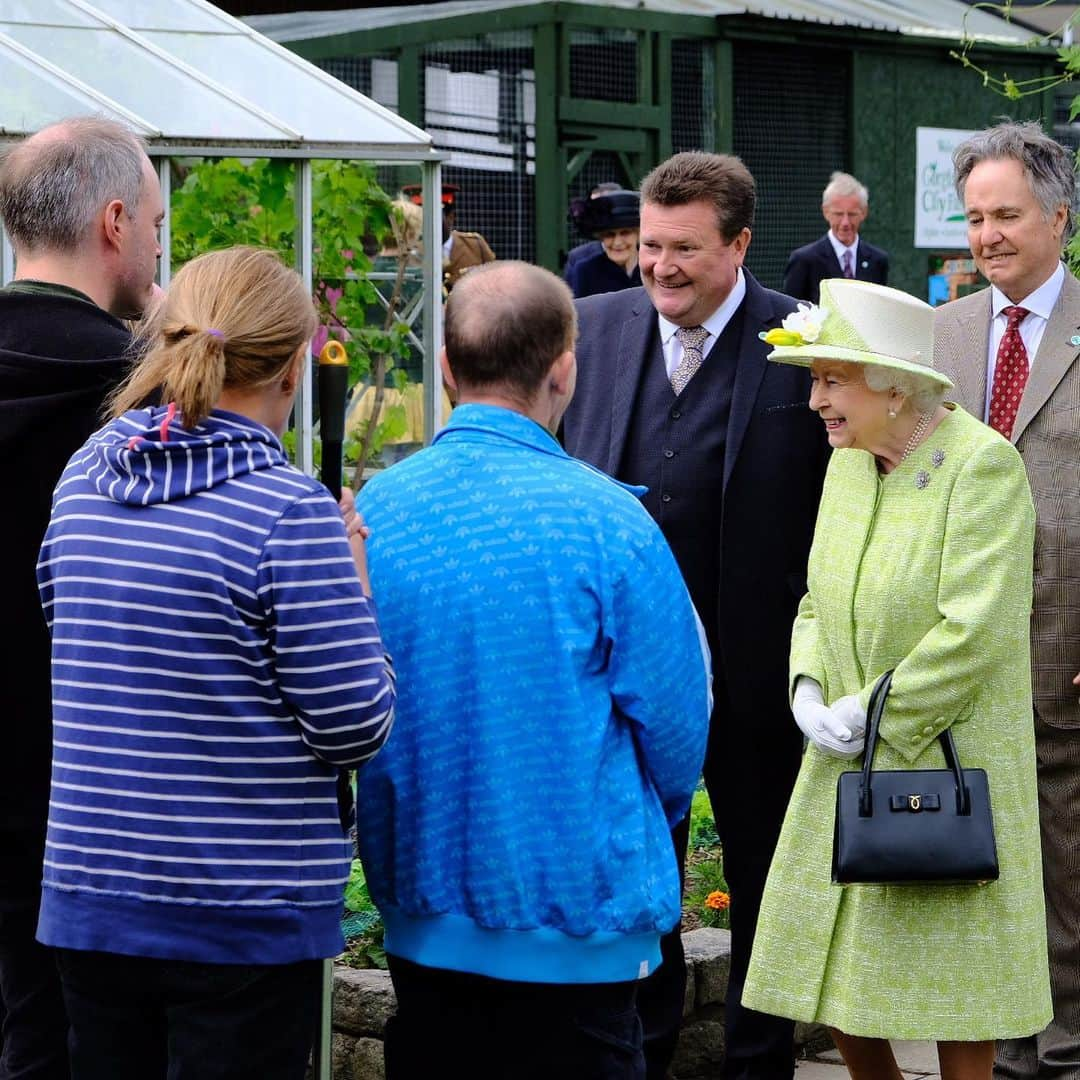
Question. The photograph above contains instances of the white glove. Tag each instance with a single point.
(851, 714)
(827, 731)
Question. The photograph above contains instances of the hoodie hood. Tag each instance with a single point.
(146, 456)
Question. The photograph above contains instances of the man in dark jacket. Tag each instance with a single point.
(81, 204)
(841, 252)
(674, 393)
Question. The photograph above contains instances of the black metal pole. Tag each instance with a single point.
(333, 386)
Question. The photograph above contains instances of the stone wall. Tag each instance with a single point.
(363, 999)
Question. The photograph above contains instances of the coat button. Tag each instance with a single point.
(665, 498)
(675, 414)
(928, 730)
(915, 738)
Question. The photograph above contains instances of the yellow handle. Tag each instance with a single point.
(333, 352)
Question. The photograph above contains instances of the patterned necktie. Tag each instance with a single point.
(1010, 374)
(691, 338)
(849, 268)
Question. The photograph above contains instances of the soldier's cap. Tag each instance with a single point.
(415, 193)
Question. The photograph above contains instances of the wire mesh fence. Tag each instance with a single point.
(693, 95)
(803, 109)
(604, 64)
(479, 103)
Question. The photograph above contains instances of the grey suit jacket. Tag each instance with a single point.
(1047, 434)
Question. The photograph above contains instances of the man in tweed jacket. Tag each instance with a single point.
(1017, 186)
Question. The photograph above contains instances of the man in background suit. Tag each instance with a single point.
(674, 393)
(1012, 352)
(841, 252)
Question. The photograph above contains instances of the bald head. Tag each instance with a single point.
(506, 324)
(54, 184)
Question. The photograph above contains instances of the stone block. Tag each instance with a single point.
(708, 953)
(812, 1038)
(367, 1060)
(341, 1053)
(700, 1052)
(363, 1000)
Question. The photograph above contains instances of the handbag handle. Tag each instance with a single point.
(874, 713)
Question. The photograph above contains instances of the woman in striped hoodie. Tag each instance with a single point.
(216, 662)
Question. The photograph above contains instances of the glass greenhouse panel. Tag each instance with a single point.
(47, 13)
(32, 96)
(143, 15)
(140, 80)
(324, 112)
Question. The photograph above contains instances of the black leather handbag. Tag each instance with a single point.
(912, 826)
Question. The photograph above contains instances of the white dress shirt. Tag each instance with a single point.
(1040, 303)
(715, 324)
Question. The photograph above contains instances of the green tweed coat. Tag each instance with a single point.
(926, 570)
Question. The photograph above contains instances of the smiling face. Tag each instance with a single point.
(855, 416)
(845, 213)
(687, 267)
(1015, 247)
(620, 246)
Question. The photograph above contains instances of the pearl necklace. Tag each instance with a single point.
(916, 435)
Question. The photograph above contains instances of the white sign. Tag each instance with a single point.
(939, 213)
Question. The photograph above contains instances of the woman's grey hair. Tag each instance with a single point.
(1049, 167)
(841, 185)
(52, 184)
(924, 394)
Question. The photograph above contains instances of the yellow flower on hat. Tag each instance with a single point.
(801, 327)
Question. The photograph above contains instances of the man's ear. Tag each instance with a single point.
(447, 374)
(114, 221)
(561, 376)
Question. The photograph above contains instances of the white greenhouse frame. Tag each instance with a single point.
(192, 80)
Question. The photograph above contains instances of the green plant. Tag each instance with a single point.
(707, 896)
(1013, 90)
(362, 925)
(227, 201)
(702, 825)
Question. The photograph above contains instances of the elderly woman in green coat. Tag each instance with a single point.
(922, 563)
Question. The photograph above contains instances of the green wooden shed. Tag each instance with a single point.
(536, 102)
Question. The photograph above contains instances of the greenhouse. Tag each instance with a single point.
(196, 83)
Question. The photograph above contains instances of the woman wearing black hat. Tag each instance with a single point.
(613, 219)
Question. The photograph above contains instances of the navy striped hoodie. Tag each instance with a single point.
(215, 664)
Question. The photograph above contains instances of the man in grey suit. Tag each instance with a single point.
(1012, 352)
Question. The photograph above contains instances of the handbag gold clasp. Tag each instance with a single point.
(914, 803)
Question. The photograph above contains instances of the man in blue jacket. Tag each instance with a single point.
(551, 723)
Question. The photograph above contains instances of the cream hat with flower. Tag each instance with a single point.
(858, 322)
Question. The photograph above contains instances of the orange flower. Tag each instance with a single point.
(718, 901)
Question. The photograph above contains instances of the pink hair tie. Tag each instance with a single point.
(216, 333)
(170, 415)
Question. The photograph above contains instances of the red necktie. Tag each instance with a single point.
(1010, 374)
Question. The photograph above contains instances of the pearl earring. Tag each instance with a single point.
(892, 414)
